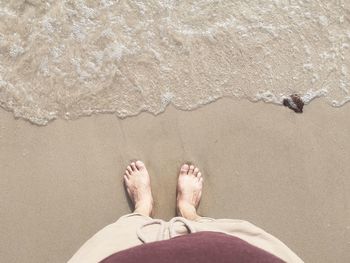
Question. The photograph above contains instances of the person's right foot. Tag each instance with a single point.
(189, 191)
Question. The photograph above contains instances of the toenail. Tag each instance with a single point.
(139, 164)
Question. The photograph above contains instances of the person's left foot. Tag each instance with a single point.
(138, 186)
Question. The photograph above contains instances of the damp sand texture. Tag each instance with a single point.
(285, 172)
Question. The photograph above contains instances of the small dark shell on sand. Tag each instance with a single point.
(295, 103)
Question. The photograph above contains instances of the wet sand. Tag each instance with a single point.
(285, 172)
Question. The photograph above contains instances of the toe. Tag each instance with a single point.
(126, 178)
(140, 165)
(184, 169)
(199, 175)
(191, 169)
(133, 166)
(129, 169)
(127, 173)
(195, 172)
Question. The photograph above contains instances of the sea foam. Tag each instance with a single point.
(67, 59)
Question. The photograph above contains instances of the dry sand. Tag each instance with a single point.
(287, 173)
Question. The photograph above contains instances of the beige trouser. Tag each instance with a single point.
(135, 229)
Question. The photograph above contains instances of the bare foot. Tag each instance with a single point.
(189, 191)
(138, 185)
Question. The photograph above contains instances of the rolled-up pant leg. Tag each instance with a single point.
(123, 235)
(249, 233)
(111, 239)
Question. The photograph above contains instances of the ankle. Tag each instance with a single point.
(187, 211)
(144, 208)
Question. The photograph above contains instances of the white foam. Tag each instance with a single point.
(337, 104)
(313, 94)
(16, 50)
(77, 58)
(323, 20)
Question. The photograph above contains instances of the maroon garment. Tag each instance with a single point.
(201, 247)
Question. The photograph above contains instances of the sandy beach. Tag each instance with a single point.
(287, 173)
(88, 86)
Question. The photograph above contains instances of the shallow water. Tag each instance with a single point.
(67, 59)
